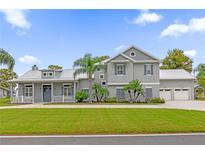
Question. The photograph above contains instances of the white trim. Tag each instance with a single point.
(103, 75)
(144, 83)
(103, 81)
(131, 54)
(33, 92)
(46, 84)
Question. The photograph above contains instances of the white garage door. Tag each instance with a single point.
(166, 94)
(181, 94)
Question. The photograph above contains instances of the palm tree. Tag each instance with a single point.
(134, 89)
(88, 65)
(6, 59)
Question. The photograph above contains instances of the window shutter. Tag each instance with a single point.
(152, 69)
(115, 69)
(145, 69)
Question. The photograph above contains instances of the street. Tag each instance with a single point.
(172, 139)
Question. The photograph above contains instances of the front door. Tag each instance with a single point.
(46, 93)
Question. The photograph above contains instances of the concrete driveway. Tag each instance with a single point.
(188, 105)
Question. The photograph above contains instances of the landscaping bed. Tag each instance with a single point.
(99, 121)
(6, 102)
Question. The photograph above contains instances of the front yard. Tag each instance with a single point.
(99, 121)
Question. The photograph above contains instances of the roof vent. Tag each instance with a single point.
(34, 68)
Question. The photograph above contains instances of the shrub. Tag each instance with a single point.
(5, 100)
(111, 100)
(100, 93)
(81, 96)
(156, 100)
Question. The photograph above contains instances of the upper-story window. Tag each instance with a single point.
(101, 76)
(148, 69)
(132, 54)
(120, 69)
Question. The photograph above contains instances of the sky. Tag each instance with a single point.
(45, 37)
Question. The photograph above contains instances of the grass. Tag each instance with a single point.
(105, 103)
(99, 121)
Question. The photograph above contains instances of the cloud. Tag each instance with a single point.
(117, 49)
(17, 18)
(28, 59)
(194, 25)
(190, 53)
(147, 17)
(175, 30)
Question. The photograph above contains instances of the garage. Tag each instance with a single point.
(166, 94)
(176, 85)
(181, 94)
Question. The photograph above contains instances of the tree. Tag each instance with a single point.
(88, 65)
(176, 59)
(100, 92)
(5, 76)
(134, 89)
(200, 69)
(6, 59)
(55, 67)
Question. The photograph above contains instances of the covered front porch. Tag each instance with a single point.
(44, 92)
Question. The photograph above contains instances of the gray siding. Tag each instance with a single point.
(139, 55)
(139, 73)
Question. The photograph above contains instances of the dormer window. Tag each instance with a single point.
(48, 74)
(132, 54)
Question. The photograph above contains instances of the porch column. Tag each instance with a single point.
(74, 89)
(11, 88)
(52, 92)
(33, 92)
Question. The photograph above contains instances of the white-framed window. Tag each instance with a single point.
(67, 90)
(101, 76)
(98, 69)
(47, 74)
(120, 93)
(148, 69)
(132, 54)
(120, 69)
(103, 83)
(28, 90)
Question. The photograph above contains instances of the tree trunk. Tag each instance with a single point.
(90, 90)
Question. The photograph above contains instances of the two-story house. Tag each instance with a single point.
(133, 63)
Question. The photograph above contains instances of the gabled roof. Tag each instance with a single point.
(127, 57)
(175, 74)
(142, 51)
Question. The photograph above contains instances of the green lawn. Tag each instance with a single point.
(105, 103)
(99, 121)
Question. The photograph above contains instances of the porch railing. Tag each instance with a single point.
(63, 99)
(22, 99)
(29, 99)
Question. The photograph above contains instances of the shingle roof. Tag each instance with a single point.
(66, 74)
(175, 74)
